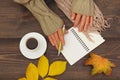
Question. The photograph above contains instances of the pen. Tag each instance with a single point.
(60, 43)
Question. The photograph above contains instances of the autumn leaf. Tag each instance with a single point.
(57, 68)
(44, 70)
(49, 78)
(22, 78)
(32, 72)
(100, 64)
(43, 66)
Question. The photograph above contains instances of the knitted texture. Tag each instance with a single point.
(49, 21)
(85, 7)
(99, 23)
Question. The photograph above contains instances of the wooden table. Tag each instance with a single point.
(15, 21)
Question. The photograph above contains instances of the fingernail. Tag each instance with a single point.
(79, 30)
(66, 32)
(74, 25)
(56, 47)
(63, 44)
(72, 17)
(85, 30)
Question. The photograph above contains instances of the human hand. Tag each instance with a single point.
(82, 21)
(56, 37)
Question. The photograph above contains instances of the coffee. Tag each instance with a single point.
(32, 43)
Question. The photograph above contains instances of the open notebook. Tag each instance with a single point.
(77, 45)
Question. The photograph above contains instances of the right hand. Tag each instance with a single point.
(56, 37)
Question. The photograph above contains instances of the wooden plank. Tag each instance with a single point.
(13, 64)
(15, 20)
(109, 7)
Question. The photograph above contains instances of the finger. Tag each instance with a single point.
(66, 31)
(61, 36)
(73, 16)
(82, 23)
(57, 37)
(51, 41)
(77, 20)
(54, 40)
(87, 23)
(91, 21)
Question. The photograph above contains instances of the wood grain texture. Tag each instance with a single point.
(15, 21)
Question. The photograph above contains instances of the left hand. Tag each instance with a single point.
(82, 21)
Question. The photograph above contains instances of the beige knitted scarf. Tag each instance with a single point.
(99, 23)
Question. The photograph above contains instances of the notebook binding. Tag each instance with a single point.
(80, 40)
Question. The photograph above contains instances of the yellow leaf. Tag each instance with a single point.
(22, 78)
(100, 64)
(57, 68)
(49, 78)
(43, 66)
(32, 72)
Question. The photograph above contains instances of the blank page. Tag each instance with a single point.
(77, 45)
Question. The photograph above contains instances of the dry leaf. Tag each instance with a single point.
(22, 78)
(57, 68)
(49, 78)
(32, 72)
(43, 66)
(100, 64)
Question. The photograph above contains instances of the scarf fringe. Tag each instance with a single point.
(99, 23)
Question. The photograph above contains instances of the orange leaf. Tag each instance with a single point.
(100, 64)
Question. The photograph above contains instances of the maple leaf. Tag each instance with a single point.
(100, 64)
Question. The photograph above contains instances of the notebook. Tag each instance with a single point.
(77, 45)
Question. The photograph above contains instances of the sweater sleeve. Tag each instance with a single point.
(85, 7)
(49, 21)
